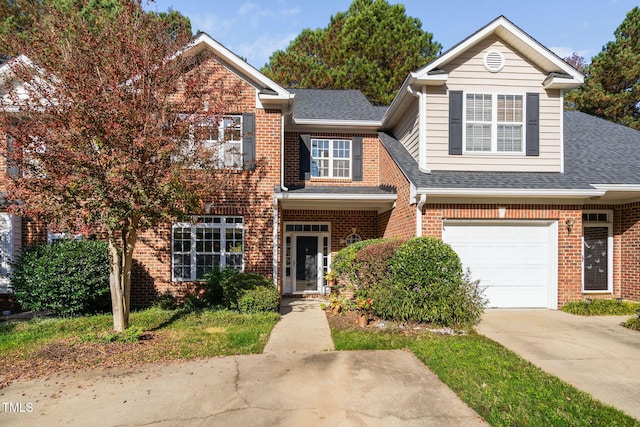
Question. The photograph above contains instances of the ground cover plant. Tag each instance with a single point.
(501, 387)
(43, 346)
(602, 307)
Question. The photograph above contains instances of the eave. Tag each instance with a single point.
(332, 201)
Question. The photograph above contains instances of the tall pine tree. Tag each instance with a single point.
(612, 84)
(373, 46)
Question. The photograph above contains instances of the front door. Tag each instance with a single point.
(306, 263)
(596, 254)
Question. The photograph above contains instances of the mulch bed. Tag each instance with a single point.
(348, 320)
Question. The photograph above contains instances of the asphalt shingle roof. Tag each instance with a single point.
(334, 105)
(596, 152)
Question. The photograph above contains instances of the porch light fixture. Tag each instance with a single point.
(207, 208)
(569, 223)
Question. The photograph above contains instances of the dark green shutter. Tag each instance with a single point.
(357, 158)
(249, 140)
(455, 122)
(533, 124)
(305, 157)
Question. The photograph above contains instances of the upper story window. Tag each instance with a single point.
(494, 123)
(226, 135)
(331, 158)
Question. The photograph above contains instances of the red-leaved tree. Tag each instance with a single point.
(99, 117)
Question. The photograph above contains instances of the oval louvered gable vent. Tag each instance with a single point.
(494, 61)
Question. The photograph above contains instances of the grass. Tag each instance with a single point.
(180, 334)
(602, 307)
(500, 386)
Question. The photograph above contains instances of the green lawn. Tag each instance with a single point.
(499, 385)
(42, 346)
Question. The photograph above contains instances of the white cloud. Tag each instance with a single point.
(211, 24)
(247, 7)
(259, 51)
(564, 52)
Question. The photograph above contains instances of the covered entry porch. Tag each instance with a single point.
(316, 223)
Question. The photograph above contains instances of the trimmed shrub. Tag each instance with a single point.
(235, 287)
(226, 287)
(601, 307)
(372, 263)
(211, 291)
(66, 278)
(427, 285)
(259, 299)
(344, 262)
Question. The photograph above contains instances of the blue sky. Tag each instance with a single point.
(255, 29)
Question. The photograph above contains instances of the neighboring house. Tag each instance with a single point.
(543, 205)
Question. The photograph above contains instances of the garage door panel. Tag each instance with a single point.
(512, 261)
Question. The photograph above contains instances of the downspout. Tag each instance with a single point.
(276, 217)
(420, 203)
(276, 226)
(282, 186)
(422, 127)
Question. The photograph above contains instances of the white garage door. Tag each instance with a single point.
(515, 261)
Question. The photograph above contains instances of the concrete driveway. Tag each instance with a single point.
(595, 354)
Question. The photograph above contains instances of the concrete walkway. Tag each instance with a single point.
(302, 329)
(593, 353)
(298, 381)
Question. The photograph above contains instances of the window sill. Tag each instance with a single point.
(493, 153)
(340, 180)
(606, 292)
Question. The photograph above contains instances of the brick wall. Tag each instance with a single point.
(248, 193)
(370, 160)
(401, 220)
(569, 245)
(627, 227)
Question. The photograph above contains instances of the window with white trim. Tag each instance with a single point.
(331, 158)
(207, 243)
(494, 123)
(226, 135)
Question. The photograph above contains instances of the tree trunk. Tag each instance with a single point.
(120, 266)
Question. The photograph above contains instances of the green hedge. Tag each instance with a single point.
(418, 280)
(66, 278)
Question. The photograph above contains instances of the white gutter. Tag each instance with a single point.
(422, 127)
(333, 196)
(346, 123)
(512, 192)
(617, 187)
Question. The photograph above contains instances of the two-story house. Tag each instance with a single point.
(542, 204)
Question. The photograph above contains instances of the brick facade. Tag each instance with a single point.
(370, 160)
(401, 220)
(627, 232)
(246, 193)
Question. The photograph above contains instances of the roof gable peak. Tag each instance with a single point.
(519, 41)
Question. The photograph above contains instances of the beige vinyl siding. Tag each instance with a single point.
(407, 129)
(467, 73)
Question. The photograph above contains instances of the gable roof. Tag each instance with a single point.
(269, 91)
(334, 107)
(560, 75)
(600, 156)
